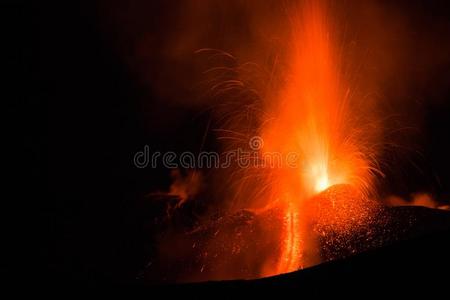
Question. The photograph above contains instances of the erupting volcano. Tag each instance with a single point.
(198, 143)
(309, 195)
(309, 117)
(312, 117)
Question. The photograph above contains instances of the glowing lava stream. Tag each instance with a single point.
(312, 119)
(291, 249)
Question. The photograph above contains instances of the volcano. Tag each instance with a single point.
(346, 225)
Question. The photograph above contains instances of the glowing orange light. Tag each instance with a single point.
(312, 118)
(322, 183)
(307, 112)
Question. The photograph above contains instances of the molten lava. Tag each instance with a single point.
(312, 117)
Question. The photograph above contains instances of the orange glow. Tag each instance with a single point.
(322, 182)
(291, 242)
(310, 108)
(312, 117)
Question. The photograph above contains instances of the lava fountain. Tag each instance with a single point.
(312, 117)
(316, 148)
